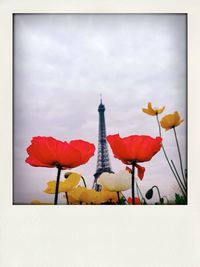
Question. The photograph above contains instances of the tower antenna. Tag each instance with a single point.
(100, 98)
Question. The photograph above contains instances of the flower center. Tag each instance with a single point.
(57, 164)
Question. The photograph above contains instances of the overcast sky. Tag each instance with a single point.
(61, 65)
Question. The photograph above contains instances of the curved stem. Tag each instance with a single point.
(137, 188)
(185, 178)
(183, 186)
(157, 190)
(84, 181)
(175, 175)
(179, 153)
(57, 185)
(139, 192)
(133, 182)
(67, 199)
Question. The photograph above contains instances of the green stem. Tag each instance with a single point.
(185, 179)
(133, 182)
(124, 197)
(175, 175)
(57, 185)
(159, 195)
(139, 192)
(183, 186)
(179, 153)
(158, 125)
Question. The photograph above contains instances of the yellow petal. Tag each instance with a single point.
(176, 117)
(109, 196)
(159, 111)
(74, 194)
(150, 108)
(72, 181)
(89, 196)
(64, 186)
(37, 202)
(149, 112)
(170, 121)
(149, 105)
(51, 187)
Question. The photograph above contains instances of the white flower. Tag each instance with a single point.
(116, 182)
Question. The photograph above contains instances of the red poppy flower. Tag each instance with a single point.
(134, 148)
(49, 152)
(136, 201)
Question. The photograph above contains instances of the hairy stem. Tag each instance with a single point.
(84, 181)
(57, 185)
(67, 199)
(174, 173)
(133, 182)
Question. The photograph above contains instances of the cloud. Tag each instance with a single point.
(63, 62)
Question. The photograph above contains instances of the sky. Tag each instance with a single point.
(63, 62)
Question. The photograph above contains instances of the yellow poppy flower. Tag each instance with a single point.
(170, 121)
(107, 196)
(37, 202)
(89, 196)
(94, 197)
(83, 195)
(152, 111)
(65, 186)
(74, 195)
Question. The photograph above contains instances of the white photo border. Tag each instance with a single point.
(146, 236)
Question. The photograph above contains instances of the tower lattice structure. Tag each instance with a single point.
(103, 161)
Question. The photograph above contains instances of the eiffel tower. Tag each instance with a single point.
(103, 162)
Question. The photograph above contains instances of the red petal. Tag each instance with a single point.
(137, 148)
(35, 163)
(120, 150)
(49, 152)
(136, 200)
(141, 171)
(86, 149)
(67, 156)
(42, 150)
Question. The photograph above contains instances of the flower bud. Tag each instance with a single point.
(149, 194)
(67, 174)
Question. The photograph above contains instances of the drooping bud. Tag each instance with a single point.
(67, 174)
(149, 194)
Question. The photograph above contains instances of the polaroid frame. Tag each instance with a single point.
(88, 236)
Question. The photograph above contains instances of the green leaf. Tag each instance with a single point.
(180, 200)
